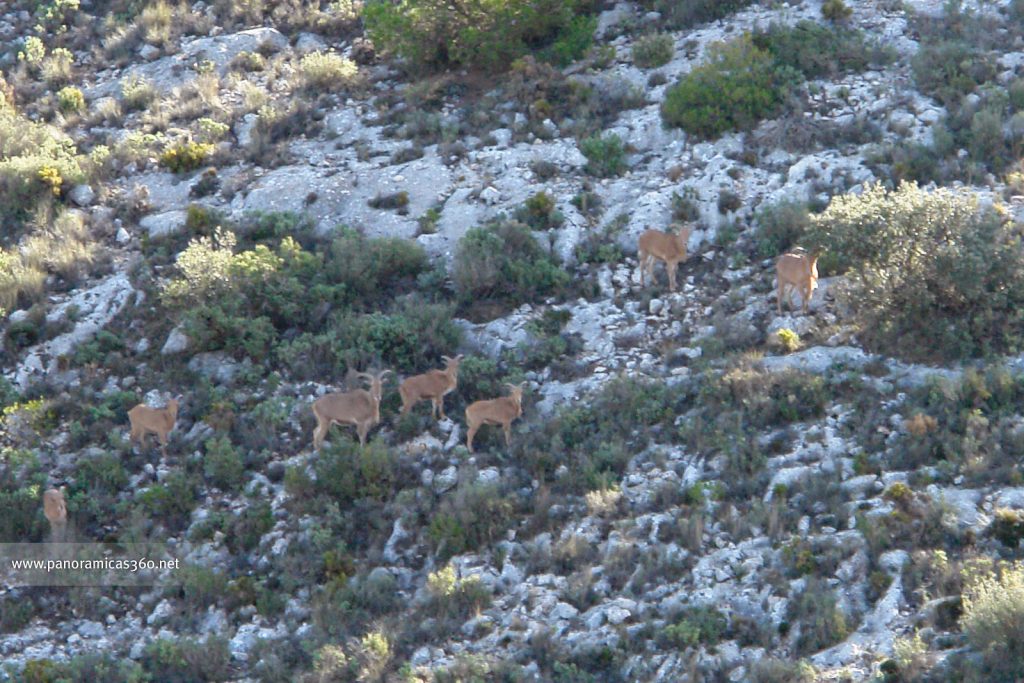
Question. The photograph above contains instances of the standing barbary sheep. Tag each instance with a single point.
(56, 511)
(496, 411)
(667, 247)
(159, 421)
(433, 385)
(799, 271)
(360, 408)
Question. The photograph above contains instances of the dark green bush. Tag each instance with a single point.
(188, 661)
(780, 227)
(473, 517)
(932, 273)
(702, 625)
(347, 472)
(605, 155)
(431, 34)
(653, 50)
(539, 212)
(247, 529)
(835, 10)
(679, 14)
(736, 87)
(1008, 527)
(816, 609)
(171, 501)
(374, 268)
(814, 50)
(950, 70)
(502, 262)
(223, 464)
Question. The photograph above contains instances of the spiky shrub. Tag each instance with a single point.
(327, 71)
(814, 50)
(993, 620)
(933, 273)
(184, 157)
(37, 164)
(738, 85)
(70, 100)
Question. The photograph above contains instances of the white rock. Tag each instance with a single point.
(177, 342)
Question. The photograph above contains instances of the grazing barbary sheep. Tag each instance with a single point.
(433, 386)
(667, 247)
(360, 408)
(56, 511)
(496, 411)
(160, 421)
(797, 270)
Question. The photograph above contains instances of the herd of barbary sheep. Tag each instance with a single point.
(795, 271)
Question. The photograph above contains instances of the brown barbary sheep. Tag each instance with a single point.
(668, 247)
(432, 386)
(360, 408)
(496, 411)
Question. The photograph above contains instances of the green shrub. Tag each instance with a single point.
(703, 625)
(679, 14)
(835, 10)
(348, 472)
(814, 50)
(816, 609)
(736, 87)
(187, 661)
(411, 337)
(327, 70)
(653, 50)
(950, 70)
(222, 464)
(374, 268)
(605, 155)
(70, 100)
(246, 530)
(37, 164)
(539, 212)
(474, 516)
(932, 273)
(780, 227)
(488, 34)
(100, 666)
(171, 501)
(993, 618)
(502, 262)
(137, 93)
(771, 670)
(1008, 527)
(184, 157)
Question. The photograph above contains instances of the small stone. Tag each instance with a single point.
(82, 195)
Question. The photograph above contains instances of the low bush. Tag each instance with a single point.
(223, 464)
(1008, 527)
(702, 625)
(468, 520)
(814, 50)
(184, 157)
(431, 34)
(678, 14)
(933, 274)
(70, 100)
(186, 660)
(605, 155)
(539, 212)
(653, 51)
(951, 70)
(503, 263)
(993, 617)
(738, 85)
(327, 71)
(822, 622)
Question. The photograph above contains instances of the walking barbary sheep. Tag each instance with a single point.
(56, 511)
(667, 247)
(797, 270)
(360, 408)
(433, 386)
(160, 421)
(496, 411)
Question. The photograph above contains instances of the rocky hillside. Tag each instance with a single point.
(246, 202)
